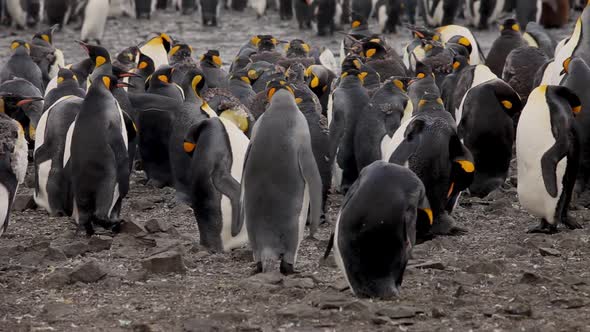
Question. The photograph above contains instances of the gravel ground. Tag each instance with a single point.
(496, 277)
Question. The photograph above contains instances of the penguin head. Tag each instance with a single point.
(162, 75)
(10, 102)
(45, 36)
(397, 83)
(295, 73)
(571, 63)
(160, 39)
(510, 26)
(211, 59)
(425, 33)
(559, 94)
(128, 56)
(423, 70)
(15, 104)
(460, 62)
(267, 43)
(241, 75)
(507, 97)
(276, 85)
(317, 79)
(351, 62)
(145, 65)
(108, 82)
(19, 46)
(430, 102)
(179, 52)
(358, 21)
(65, 75)
(373, 49)
(353, 72)
(297, 48)
(463, 45)
(256, 69)
(98, 54)
(240, 62)
(196, 80)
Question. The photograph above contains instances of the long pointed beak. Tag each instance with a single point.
(28, 101)
(125, 85)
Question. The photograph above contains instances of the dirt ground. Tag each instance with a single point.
(495, 278)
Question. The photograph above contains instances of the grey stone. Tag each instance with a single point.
(55, 312)
(518, 309)
(57, 279)
(549, 252)
(99, 243)
(166, 262)
(484, 267)
(271, 278)
(131, 227)
(55, 255)
(88, 272)
(137, 275)
(569, 303)
(435, 265)
(438, 313)
(305, 283)
(532, 278)
(155, 226)
(398, 312)
(75, 249)
(298, 310)
(142, 204)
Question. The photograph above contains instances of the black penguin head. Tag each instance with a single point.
(430, 101)
(313, 77)
(163, 75)
(10, 102)
(462, 41)
(128, 56)
(98, 54)
(373, 49)
(145, 64)
(507, 97)
(109, 82)
(20, 46)
(45, 35)
(353, 72)
(351, 62)
(180, 52)
(460, 62)
(166, 41)
(297, 48)
(196, 79)
(296, 72)
(510, 26)
(211, 58)
(398, 82)
(275, 85)
(358, 21)
(267, 43)
(241, 75)
(424, 33)
(423, 70)
(65, 75)
(256, 69)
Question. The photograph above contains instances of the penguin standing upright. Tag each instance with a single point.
(161, 84)
(424, 83)
(319, 78)
(509, 39)
(95, 19)
(482, 13)
(46, 56)
(548, 154)
(67, 85)
(211, 65)
(20, 64)
(97, 144)
(280, 182)
(157, 48)
(439, 12)
(13, 163)
(521, 67)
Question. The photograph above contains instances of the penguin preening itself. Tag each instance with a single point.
(13, 163)
(280, 182)
(365, 228)
(548, 154)
(509, 39)
(20, 64)
(319, 78)
(521, 67)
(53, 188)
(95, 19)
(97, 147)
(490, 140)
(428, 144)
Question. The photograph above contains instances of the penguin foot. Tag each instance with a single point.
(89, 229)
(444, 225)
(257, 269)
(287, 268)
(571, 223)
(543, 228)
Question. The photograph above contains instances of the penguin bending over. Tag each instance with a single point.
(275, 200)
(548, 156)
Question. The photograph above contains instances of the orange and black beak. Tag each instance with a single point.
(28, 100)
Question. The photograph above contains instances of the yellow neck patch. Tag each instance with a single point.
(370, 52)
(399, 84)
(196, 80)
(60, 80)
(164, 78)
(188, 147)
(429, 214)
(100, 60)
(566, 64)
(14, 45)
(466, 165)
(422, 102)
(298, 100)
(255, 40)
(245, 79)
(174, 50)
(421, 75)
(315, 82)
(46, 38)
(456, 65)
(270, 93)
(515, 27)
(356, 24)
(507, 104)
(217, 60)
(142, 65)
(106, 81)
(305, 48)
(357, 64)
(464, 41)
(252, 74)
(577, 109)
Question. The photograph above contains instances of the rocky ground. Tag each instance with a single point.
(155, 277)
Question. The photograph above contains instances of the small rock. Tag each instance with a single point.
(328, 262)
(298, 310)
(484, 267)
(166, 262)
(438, 313)
(142, 204)
(181, 209)
(518, 309)
(54, 312)
(435, 265)
(270, 278)
(201, 325)
(143, 327)
(397, 312)
(339, 301)
(155, 226)
(75, 249)
(55, 255)
(58, 279)
(131, 227)
(99, 243)
(23, 202)
(305, 283)
(248, 328)
(549, 252)
(231, 317)
(530, 277)
(340, 285)
(380, 320)
(570, 303)
(137, 275)
(88, 272)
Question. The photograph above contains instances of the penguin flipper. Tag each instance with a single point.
(408, 146)
(228, 186)
(311, 175)
(549, 163)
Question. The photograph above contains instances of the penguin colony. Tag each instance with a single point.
(255, 150)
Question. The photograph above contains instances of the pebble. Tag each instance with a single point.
(75, 249)
(549, 252)
(166, 262)
(484, 267)
(435, 265)
(131, 227)
(99, 243)
(88, 272)
(518, 309)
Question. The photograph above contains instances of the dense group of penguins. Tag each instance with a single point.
(255, 150)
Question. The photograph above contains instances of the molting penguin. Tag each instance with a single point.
(13, 163)
(275, 200)
(67, 85)
(383, 60)
(20, 64)
(548, 154)
(211, 65)
(96, 145)
(487, 130)
(95, 19)
(365, 228)
(217, 148)
(348, 101)
(45, 55)
(521, 67)
(53, 188)
(428, 144)
(509, 40)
